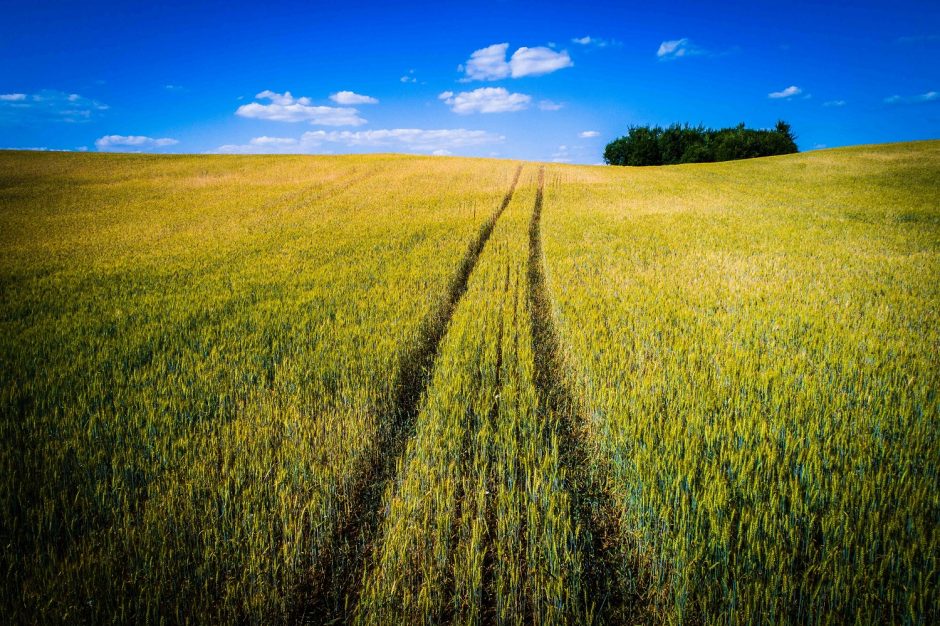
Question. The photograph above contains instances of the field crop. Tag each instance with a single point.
(386, 389)
(200, 368)
(755, 349)
(479, 524)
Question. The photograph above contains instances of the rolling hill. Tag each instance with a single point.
(385, 388)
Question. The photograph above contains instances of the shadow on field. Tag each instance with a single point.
(592, 505)
(334, 593)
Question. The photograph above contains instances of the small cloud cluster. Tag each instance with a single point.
(485, 100)
(49, 105)
(409, 77)
(834, 103)
(273, 141)
(578, 152)
(930, 96)
(134, 142)
(490, 63)
(46, 149)
(350, 97)
(548, 105)
(430, 141)
(538, 61)
(412, 138)
(678, 49)
(596, 42)
(789, 92)
(561, 155)
(283, 107)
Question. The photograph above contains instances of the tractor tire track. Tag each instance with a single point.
(592, 507)
(334, 592)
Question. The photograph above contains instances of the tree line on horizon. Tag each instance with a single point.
(682, 143)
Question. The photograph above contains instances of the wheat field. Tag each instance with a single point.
(419, 390)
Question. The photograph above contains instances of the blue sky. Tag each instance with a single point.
(534, 80)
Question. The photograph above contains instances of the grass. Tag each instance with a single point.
(381, 389)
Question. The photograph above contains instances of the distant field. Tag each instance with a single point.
(388, 389)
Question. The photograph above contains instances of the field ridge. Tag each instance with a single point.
(488, 610)
(335, 591)
(592, 507)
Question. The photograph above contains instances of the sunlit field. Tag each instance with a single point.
(387, 389)
(755, 349)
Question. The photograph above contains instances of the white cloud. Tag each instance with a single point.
(538, 61)
(247, 148)
(285, 108)
(50, 105)
(418, 140)
(283, 99)
(561, 155)
(548, 105)
(139, 142)
(263, 145)
(589, 134)
(930, 96)
(485, 100)
(490, 63)
(441, 153)
(350, 97)
(409, 77)
(273, 141)
(834, 103)
(677, 49)
(789, 92)
(413, 138)
(597, 42)
(44, 149)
